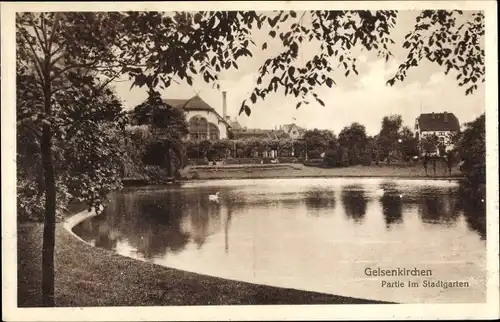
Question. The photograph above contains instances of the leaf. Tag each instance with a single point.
(330, 50)
(293, 14)
(253, 98)
(291, 70)
(247, 110)
(264, 46)
(320, 101)
(298, 105)
(272, 22)
(272, 33)
(140, 80)
(329, 82)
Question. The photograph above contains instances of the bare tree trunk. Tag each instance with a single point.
(49, 228)
(50, 220)
(168, 160)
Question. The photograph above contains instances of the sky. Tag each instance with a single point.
(362, 98)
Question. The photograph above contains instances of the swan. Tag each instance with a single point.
(214, 197)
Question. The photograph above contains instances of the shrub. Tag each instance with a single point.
(314, 162)
(155, 174)
(366, 158)
(289, 160)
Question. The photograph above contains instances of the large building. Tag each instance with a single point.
(292, 130)
(443, 125)
(203, 120)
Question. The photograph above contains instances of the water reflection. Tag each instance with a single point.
(473, 207)
(438, 206)
(392, 204)
(298, 234)
(319, 199)
(154, 223)
(355, 202)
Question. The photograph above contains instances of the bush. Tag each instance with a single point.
(195, 162)
(289, 160)
(31, 201)
(156, 174)
(366, 158)
(314, 162)
(333, 157)
(243, 161)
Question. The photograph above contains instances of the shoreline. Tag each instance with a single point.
(91, 276)
(291, 171)
(455, 178)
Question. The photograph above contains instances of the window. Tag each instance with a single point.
(214, 131)
(201, 129)
(198, 128)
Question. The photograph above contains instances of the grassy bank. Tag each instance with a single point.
(88, 276)
(416, 171)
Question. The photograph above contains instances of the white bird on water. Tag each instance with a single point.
(214, 197)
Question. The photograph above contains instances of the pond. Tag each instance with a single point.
(321, 234)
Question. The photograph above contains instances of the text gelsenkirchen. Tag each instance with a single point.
(398, 271)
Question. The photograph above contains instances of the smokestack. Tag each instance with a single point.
(224, 105)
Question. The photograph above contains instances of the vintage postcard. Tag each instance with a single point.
(267, 160)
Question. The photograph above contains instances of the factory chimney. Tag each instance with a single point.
(224, 107)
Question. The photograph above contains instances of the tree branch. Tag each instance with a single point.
(44, 29)
(54, 29)
(42, 44)
(38, 68)
(56, 59)
(112, 78)
(60, 89)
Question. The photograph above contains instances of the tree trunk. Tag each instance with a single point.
(50, 220)
(168, 160)
(49, 228)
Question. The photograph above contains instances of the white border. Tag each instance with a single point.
(273, 312)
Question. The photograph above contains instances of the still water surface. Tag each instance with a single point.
(311, 234)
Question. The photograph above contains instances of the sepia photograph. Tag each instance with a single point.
(229, 158)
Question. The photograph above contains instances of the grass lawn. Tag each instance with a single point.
(88, 276)
(416, 171)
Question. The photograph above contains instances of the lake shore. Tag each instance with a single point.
(413, 171)
(90, 276)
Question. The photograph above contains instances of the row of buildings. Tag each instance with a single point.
(205, 123)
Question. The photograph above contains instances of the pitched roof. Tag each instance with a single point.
(287, 127)
(438, 122)
(195, 103)
(261, 133)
